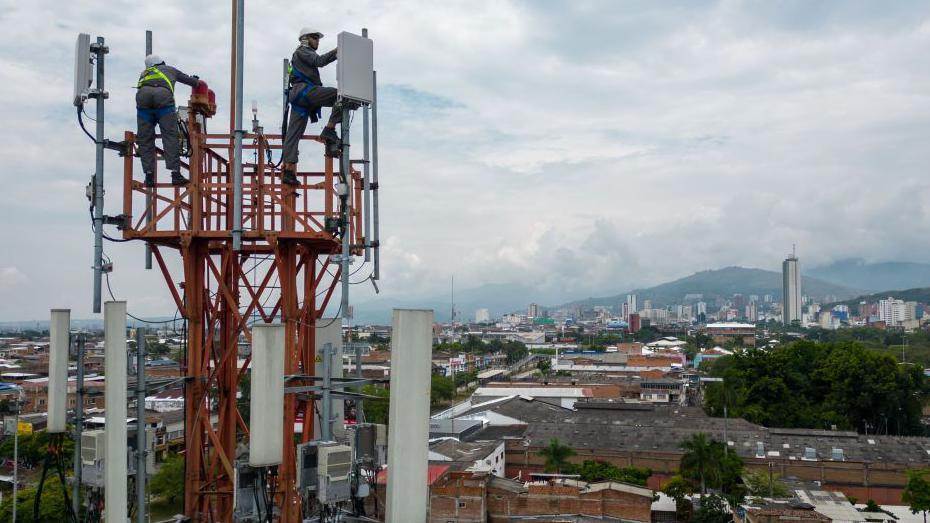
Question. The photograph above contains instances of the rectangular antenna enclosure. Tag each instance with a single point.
(93, 444)
(334, 471)
(365, 441)
(266, 422)
(83, 69)
(59, 331)
(115, 460)
(408, 439)
(330, 332)
(355, 68)
(308, 455)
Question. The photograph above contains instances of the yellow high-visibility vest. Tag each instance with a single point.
(154, 73)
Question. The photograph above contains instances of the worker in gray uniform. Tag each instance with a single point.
(307, 95)
(155, 106)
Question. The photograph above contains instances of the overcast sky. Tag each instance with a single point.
(582, 147)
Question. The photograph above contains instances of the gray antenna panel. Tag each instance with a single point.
(83, 69)
(354, 68)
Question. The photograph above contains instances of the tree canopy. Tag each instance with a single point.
(556, 456)
(168, 481)
(818, 385)
(593, 471)
(52, 505)
(917, 492)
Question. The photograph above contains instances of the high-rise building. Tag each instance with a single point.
(739, 301)
(630, 305)
(791, 290)
(482, 316)
(533, 310)
(895, 312)
(635, 324)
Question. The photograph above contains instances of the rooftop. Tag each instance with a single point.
(665, 427)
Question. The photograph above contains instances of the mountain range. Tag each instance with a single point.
(845, 279)
(723, 283)
(857, 273)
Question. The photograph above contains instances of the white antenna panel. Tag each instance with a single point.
(83, 69)
(266, 419)
(355, 68)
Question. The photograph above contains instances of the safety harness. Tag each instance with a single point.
(317, 112)
(152, 116)
(154, 73)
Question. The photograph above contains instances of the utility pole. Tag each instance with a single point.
(78, 423)
(140, 425)
(100, 95)
(326, 427)
(19, 402)
(771, 490)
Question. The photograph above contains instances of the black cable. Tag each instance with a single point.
(81, 122)
(152, 322)
(115, 240)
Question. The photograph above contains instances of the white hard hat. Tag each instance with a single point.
(309, 31)
(153, 59)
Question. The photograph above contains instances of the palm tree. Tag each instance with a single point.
(556, 456)
(699, 461)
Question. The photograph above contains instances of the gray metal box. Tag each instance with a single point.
(365, 436)
(355, 68)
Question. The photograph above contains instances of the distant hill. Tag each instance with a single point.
(856, 273)
(724, 283)
(920, 295)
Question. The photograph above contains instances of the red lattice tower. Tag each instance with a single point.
(284, 238)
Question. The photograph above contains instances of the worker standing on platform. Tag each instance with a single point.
(155, 106)
(307, 95)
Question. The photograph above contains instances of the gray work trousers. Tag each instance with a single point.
(151, 97)
(297, 123)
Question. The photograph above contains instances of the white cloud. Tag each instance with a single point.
(11, 277)
(582, 147)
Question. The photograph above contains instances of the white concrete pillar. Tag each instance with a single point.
(408, 427)
(114, 456)
(59, 330)
(266, 410)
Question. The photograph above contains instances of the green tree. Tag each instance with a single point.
(699, 462)
(917, 492)
(757, 483)
(678, 488)
(52, 505)
(515, 351)
(556, 456)
(872, 506)
(168, 481)
(442, 389)
(544, 366)
(713, 509)
(376, 410)
(819, 385)
(34, 447)
(593, 471)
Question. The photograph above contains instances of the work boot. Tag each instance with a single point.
(177, 179)
(149, 180)
(289, 177)
(333, 150)
(329, 135)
